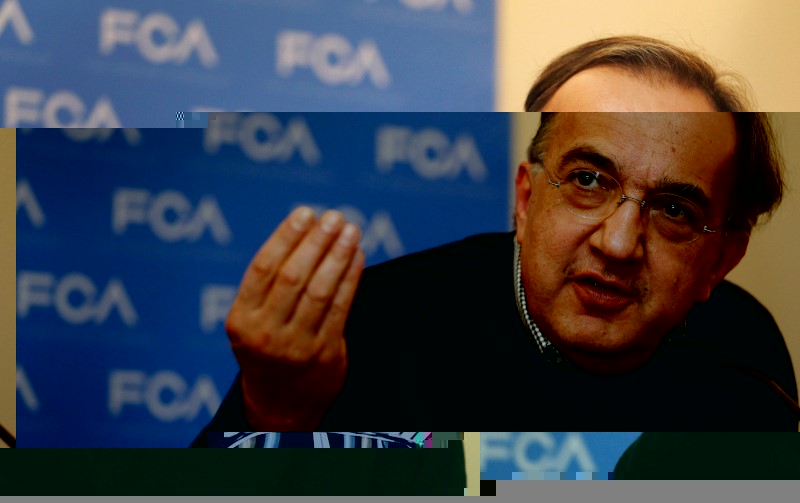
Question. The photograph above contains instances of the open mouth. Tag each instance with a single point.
(601, 295)
(604, 286)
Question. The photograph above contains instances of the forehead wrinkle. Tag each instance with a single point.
(663, 143)
(619, 127)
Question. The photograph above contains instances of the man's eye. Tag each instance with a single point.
(678, 212)
(675, 211)
(584, 179)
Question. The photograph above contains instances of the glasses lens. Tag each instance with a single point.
(595, 195)
(675, 218)
(589, 193)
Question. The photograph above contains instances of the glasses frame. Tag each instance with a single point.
(623, 197)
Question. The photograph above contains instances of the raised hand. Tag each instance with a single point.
(287, 322)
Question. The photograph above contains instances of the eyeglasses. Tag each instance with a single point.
(594, 196)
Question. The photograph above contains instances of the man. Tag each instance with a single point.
(596, 329)
(626, 225)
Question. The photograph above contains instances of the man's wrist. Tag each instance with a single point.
(263, 417)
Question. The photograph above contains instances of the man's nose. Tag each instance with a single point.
(620, 236)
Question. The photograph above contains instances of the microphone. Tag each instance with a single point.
(770, 382)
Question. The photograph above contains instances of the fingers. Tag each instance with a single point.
(336, 316)
(294, 274)
(300, 284)
(265, 264)
(323, 285)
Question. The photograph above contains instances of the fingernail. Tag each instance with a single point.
(302, 218)
(348, 235)
(330, 221)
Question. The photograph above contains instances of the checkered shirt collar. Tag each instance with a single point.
(522, 306)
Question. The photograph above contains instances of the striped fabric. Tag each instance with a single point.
(267, 440)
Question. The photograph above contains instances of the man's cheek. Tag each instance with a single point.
(694, 285)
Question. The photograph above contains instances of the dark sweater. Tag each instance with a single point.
(435, 339)
(712, 456)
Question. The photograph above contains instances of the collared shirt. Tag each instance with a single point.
(544, 345)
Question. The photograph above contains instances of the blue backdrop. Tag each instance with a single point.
(551, 455)
(131, 244)
(127, 63)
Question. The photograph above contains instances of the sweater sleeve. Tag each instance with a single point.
(229, 416)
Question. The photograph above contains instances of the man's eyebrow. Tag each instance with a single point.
(591, 156)
(691, 191)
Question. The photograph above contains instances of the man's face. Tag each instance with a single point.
(606, 292)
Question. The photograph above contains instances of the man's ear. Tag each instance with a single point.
(733, 248)
(522, 198)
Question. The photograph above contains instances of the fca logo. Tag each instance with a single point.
(536, 451)
(125, 27)
(32, 107)
(263, 137)
(170, 215)
(165, 394)
(76, 298)
(331, 58)
(429, 152)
